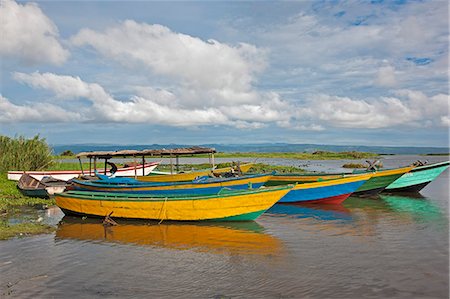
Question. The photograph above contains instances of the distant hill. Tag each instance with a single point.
(260, 148)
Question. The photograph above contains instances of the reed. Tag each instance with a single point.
(20, 153)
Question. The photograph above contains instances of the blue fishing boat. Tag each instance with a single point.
(203, 185)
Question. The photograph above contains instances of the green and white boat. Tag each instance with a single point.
(416, 179)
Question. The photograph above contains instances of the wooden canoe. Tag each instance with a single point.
(204, 186)
(32, 187)
(66, 175)
(418, 178)
(241, 205)
(377, 183)
(326, 192)
(189, 176)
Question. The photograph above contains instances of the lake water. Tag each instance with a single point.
(385, 246)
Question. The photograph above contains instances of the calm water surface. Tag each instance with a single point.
(391, 246)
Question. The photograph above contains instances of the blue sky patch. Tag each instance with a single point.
(420, 61)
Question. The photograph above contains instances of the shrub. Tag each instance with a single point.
(20, 153)
(67, 153)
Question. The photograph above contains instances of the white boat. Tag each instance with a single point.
(66, 175)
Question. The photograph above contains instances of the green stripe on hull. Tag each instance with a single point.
(243, 217)
(417, 177)
(380, 182)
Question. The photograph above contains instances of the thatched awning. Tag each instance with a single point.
(151, 152)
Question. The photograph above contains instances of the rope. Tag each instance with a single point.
(160, 212)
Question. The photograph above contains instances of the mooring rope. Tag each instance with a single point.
(160, 212)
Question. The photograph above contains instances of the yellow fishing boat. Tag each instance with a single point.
(242, 205)
(189, 176)
(245, 238)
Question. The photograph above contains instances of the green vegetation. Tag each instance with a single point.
(20, 153)
(12, 202)
(318, 155)
(354, 165)
(23, 229)
(265, 168)
(67, 153)
(24, 154)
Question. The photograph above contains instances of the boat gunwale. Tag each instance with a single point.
(380, 172)
(50, 172)
(336, 181)
(431, 166)
(132, 197)
(141, 184)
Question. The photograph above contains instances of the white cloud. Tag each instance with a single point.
(406, 108)
(410, 108)
(39, 112)
(207, 71)
(386, 76)
(153, 106)
(29, 35)
(445, 121)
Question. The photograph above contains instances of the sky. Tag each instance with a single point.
(145, 72)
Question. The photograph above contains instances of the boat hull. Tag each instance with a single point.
(380, 180)
(212, 187)
(417, 178)
(329, 192)
(229, 206)
(189, 176)
(70, 174)
(41, 193)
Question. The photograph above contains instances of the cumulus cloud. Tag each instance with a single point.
(409, 108)
(323, 50)
(39, 112)
(386, 76)
(29, 35)
(206, 70)
(153, 106)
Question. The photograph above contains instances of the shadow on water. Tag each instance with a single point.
(214, 237)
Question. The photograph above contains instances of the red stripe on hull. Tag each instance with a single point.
(334, 200)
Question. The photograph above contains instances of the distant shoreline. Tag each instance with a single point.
(261, 148)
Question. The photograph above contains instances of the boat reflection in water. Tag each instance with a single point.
(324, 212)
(244, 238)
(418, 207)
(373, 215)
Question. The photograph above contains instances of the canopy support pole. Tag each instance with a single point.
(135, 169)
(81, 166)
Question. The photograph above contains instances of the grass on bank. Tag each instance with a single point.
(11, 202)
(8, 231)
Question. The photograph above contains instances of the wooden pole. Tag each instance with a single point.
(135, 169)
(171, 164)
(81, 165)
(143, 165)
(106, 160)
(178, 163)
(90, 165)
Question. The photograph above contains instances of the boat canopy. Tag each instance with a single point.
(149, 152)
(173, 152)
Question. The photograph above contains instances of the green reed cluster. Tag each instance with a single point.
(20, 153)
